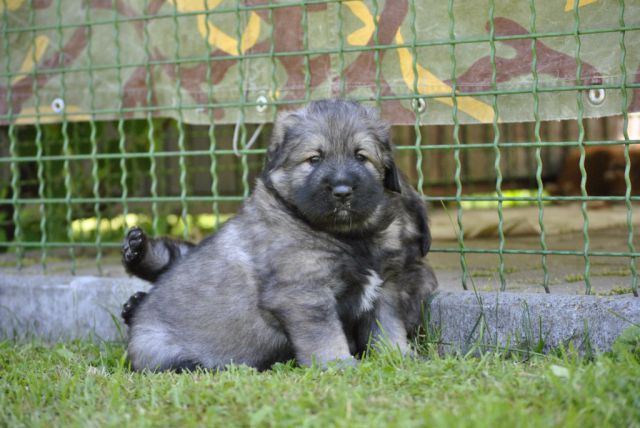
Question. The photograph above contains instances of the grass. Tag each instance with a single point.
(574, 277)
(491, 273)
(86, 384)
(604, 273)
(617, 290)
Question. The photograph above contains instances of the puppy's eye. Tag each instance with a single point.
(360, 157)
(314, 160)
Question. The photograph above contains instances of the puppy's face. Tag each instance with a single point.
(333, 162)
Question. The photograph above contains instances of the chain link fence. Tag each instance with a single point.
(116, 113)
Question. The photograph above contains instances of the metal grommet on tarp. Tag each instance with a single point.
(596, 96)
(57, 105)
(262, 103)
(419, 104)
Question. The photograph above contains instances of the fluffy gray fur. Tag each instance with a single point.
(326, 255)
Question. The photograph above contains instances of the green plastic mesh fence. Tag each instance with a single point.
(156, 113)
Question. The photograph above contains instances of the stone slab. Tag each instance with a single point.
(67, 307)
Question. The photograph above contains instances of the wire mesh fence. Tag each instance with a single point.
(117, 113)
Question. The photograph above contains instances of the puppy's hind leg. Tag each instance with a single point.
(130, 306)
(148, 258)
(152, 347)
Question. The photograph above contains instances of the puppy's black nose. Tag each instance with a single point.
(342, 192)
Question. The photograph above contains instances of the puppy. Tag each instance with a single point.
(323, 257)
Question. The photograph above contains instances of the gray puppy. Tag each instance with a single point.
(325, 256)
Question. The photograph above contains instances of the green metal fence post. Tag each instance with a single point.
(213, 169)
(536, 116)
(583, 172)
(457, 144)
(94, 149)
(65, 136)
(124, 199)
(416, 102)
(627, 160)
(241, 127)
(180, 124)
(496, 143)
(39, 147)
(151, 138)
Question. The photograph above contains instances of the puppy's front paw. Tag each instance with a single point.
(133, 246)
(130, 306)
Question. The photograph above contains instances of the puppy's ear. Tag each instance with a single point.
(392, 177)
(423, 227)
(414, 204)
(280, 134)
(382, 130)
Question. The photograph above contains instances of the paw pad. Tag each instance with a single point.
(130, 306)
(133, 246)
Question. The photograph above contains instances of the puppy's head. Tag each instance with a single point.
(333, 162)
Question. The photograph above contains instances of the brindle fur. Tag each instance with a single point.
(306, 269)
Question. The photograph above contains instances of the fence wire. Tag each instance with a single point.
(115, 113)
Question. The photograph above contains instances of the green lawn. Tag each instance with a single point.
(85, 384)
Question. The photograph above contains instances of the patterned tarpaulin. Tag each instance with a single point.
(204, 60)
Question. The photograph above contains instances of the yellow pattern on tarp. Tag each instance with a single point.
(361, 36)
(72, 114)
(568, 7)
(214, 35)
(11, 5)
(31, 59)
(429, 84)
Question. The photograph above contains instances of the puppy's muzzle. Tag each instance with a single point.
(342, 193)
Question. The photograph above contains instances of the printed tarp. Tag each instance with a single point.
(105, 59)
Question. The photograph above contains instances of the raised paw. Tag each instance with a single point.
(133, 246)
(129, 308)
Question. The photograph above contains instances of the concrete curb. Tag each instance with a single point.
(63, 308)
(531, 321)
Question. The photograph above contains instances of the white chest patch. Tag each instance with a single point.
(371, 291)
